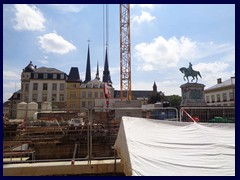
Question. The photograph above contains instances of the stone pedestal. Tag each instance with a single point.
(192, 94)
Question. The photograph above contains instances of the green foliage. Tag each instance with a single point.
(157, 97)
(174, 100)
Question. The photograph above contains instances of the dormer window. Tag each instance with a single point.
(62, 76)
(35, 76)
(45, 75)
(54, 76)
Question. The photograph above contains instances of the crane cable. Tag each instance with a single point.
(105, 29)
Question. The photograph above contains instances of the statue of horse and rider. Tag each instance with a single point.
(190, 72)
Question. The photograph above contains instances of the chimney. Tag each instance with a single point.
(219, 80)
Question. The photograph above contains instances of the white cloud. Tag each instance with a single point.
(53, 43)
(28, 18)
(212, 71)
(144, 17)
(10, 75)
(44, 61)
(75, 8)
(162, 53)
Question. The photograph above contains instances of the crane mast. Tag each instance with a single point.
(125, 53)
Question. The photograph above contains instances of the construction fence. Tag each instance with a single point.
(87, 134)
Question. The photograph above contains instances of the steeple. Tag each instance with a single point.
(106, 72)
(97, 74)
(154, 87)
(88, 68)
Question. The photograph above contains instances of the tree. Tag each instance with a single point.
(174, 100)
(157, 97)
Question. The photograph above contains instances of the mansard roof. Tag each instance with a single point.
(227, 83)
(16, 95)
(74, 74)
(48, 70)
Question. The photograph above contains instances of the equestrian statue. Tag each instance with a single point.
(190, 72)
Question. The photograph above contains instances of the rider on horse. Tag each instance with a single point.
(190, 69)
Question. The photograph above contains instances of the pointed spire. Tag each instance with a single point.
(106, 72)
(154, 87)
(88, 68)
(97, 74)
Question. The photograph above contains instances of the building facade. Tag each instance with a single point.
(73, 83)
(43, 85)
(221, 94)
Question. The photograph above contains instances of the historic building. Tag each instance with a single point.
(64, 92)
(221, 94)
(13, 101)
(73, 83)
(43, 85)
(94, 89)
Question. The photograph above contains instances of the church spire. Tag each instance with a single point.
(97, 74)
(88, 68)
(106, 72)
(154, 87)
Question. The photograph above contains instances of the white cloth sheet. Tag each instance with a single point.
(165, 148)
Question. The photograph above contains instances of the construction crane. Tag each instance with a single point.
(125, 53)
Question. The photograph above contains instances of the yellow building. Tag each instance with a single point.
(73, 90)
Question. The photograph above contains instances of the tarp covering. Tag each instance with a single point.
(165, 148)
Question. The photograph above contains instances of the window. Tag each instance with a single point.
(73, 85)
(45, 76)
(73, 95)
(224, 95)
(44, 97)
(84, 94)
(54, 86)
(213, 98)
(96, 95)
(54, 76)
(207, 99)
(23, 76)
(62, 76)
(26, 98)
(35, 76)
(231, 96)
(72, 105)
(101, 94)
(45, 86)
(26, 87)
(35, 86)
(54, 97)
(89, 94)
(61, 97)
(89, 103)
(61, 87)
(83, 104)
(34, 97)
(218, 97)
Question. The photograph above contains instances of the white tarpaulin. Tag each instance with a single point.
(165, 148)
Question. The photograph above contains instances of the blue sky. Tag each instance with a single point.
(163, 39)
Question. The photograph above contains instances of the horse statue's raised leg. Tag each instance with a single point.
(192, 78)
